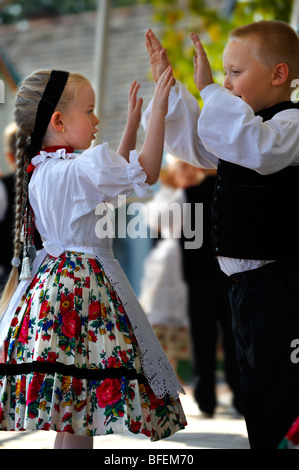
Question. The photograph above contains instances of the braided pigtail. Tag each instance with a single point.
(21, 186)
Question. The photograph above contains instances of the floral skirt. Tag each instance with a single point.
(291, 439)
(71, 361)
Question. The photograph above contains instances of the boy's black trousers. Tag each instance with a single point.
(265, 310)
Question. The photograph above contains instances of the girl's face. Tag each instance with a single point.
(80, 122)
(246, 76)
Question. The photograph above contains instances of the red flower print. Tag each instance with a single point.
(92, 337)
(113, 362)
(113, 295)
(87, 282)
(78, 292)
(23, 337)
(1, 414)
(146, 432)
(14, 322)
(66, 417)
(121, 309)
(71, 325)
(94, 310)
(46, 427)
(77, 386)
(23, 385)
(108, 392)
(68, 428)
(66, 303)
(131, 393)
(154, 401)
(34, 387)
(135, 426)
(123, 356)
(44, 309)
(293, 433)
(95, 266)
(46, 337)
(52, 357)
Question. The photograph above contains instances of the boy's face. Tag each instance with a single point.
(246, 76)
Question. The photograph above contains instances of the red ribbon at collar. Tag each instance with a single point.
(52, 148)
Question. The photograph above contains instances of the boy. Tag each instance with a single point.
(249, 130)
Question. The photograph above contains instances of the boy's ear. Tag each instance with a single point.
(280, 74)
(57, 121)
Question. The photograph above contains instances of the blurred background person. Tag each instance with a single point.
(164, 292)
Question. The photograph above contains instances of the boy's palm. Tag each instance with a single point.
(159, 60)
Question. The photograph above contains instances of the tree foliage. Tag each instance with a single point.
(213, 25)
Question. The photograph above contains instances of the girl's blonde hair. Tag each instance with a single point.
(27, 100)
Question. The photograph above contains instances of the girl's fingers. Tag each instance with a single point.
(134, 87)
(165, 77)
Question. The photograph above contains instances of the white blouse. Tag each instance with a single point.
(227, 128)
(64, 192)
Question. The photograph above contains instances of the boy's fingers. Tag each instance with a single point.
(195, 39)
(155, 44)
(198, 45)
(148, 45)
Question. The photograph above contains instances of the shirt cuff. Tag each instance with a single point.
(137, 176)
(209, 91)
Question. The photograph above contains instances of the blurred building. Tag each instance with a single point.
(68, 43)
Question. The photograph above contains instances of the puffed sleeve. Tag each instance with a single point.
(102, 174)
(181, 138)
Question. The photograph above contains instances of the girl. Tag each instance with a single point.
(78, 355)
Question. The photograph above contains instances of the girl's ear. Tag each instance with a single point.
(280, 74)
(57, 121)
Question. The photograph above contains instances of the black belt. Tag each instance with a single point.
(71, 370)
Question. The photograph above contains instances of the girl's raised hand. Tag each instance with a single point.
(134, 107)
(202, 69)
(160, 100)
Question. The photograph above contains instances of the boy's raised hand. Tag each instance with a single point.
(202, 69)
(159, 60)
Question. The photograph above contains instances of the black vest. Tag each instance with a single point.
(201, 262)
(255, 216)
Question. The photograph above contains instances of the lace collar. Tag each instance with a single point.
(56, 151)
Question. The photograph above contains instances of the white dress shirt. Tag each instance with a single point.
(227, 128)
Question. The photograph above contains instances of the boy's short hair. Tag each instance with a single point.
(277, 43)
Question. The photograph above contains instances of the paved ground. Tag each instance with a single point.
(226, 430)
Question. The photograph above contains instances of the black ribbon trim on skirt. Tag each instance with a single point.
(71, 370)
